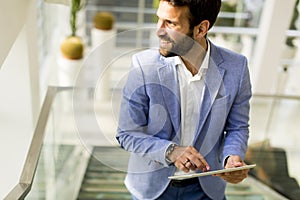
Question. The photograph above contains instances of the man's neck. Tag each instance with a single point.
(194, 58)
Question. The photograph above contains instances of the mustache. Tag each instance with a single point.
(166, 38)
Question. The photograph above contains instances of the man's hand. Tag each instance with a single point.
(236, 176)
(188, 158)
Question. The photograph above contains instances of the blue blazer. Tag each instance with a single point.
(150, 119)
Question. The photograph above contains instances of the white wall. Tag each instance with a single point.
(20, 82)
(15, 114)
(12, 18)
(19, 86)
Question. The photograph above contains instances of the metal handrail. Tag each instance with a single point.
(277, 96)
(152, 11)
(21, 190)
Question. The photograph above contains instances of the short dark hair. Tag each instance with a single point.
(200, 10)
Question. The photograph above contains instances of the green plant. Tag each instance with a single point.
(76, 6)
(155, 5)
(72, 47)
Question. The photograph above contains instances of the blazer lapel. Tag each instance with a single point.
(213, 82)
(170, 90)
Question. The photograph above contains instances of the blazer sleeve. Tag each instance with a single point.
(237, 125)
(134, 134)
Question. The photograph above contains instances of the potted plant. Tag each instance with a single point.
(103, 28)
(72, 49)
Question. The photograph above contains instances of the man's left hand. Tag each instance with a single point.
(235, 176)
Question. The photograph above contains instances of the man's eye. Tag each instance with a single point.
(170, 24)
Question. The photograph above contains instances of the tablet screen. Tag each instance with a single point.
(187, 176)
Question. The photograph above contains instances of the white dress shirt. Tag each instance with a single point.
(191, 93)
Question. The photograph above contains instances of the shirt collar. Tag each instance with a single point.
(203, 67)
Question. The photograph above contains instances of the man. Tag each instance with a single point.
(185, 108)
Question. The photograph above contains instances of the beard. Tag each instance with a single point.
(169, 47)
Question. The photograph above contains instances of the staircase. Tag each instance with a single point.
(104, 178)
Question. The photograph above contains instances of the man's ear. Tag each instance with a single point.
(201, 29)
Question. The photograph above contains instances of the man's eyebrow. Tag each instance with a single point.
(170, 21)
(174, 21)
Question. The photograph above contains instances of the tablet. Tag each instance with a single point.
(187, 176)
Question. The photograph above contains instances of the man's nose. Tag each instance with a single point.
(161, 32)
(161, 28)
(160, 24)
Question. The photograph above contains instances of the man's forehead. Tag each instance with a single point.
(167, 11)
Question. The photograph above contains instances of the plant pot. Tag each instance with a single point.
(103, 44)
(67, 71)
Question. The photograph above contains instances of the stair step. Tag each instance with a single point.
(108, 196)
(102, 184)
(238, 187)
(104, 181)
(111, 176)
(239, 197)
(104, 190)
(102, 169)
(242, 193)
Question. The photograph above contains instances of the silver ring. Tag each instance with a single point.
(185, 162)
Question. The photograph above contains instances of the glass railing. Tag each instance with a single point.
(29, 170)
(56, 161)
(274, 142)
